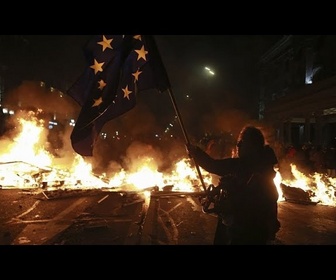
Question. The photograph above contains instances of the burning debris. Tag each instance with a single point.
(24, 175)
(27, 165)
(312, 188)
(19, 174)
(296, 195)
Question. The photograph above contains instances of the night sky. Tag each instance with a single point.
(232, 57)
(58, 60)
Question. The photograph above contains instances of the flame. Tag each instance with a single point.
(27, 164)
(322, 188)
(27, 146)
(277, 181)
(146, 175)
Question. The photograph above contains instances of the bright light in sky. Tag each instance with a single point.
(209, 70)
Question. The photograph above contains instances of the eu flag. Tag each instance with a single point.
(118, 68)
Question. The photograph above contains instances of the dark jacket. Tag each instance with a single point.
(253, 194)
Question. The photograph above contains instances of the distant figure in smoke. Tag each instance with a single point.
(248, 195)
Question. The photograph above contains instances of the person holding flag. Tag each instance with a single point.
(248, 209)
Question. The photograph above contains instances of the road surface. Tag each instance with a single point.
(98, 217)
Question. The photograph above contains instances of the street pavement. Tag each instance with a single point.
(104, 217)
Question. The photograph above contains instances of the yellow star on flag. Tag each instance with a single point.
(137, 37)
(97, 66)
(102, 84)
(127, 92)
(97, 102)
(136, 75)
(141, 53)
(105, 43)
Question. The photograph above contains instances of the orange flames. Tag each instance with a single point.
(25, 163)
(321, 188)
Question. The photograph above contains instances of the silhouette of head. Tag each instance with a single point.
(250, 142)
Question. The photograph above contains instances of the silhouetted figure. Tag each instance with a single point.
(248, 208)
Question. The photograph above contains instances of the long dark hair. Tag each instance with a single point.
(253, 135)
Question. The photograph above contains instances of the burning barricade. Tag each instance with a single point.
(296, 195)
(25, 164)
(307, 189)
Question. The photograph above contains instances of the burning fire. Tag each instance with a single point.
(26, 164)
(320, 187)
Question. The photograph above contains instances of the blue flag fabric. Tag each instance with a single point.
(118, 68)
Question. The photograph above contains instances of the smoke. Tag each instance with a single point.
(139, 154)
(31, 95)
(136, 134)
(219, 120)
(135, 138)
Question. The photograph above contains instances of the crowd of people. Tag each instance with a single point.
(310, 158)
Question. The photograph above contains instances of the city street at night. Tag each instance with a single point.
(115, 139)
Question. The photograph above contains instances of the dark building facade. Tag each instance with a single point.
(298, 89)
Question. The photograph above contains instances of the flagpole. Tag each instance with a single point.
(185, 134)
